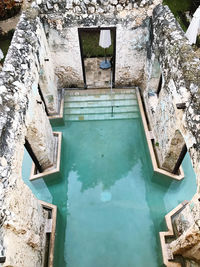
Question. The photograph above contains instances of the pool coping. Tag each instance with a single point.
(55, 168)
(167, 259)
(97, 91)
(53, 209)
(149, 137)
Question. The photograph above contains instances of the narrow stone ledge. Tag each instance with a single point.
(53, 211)
(149, 137)
(58, 119)
(167, 255)
(56, 167)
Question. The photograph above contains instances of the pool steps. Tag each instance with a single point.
(101, 97)
(166, 252)
(99, 104)
(104, 105)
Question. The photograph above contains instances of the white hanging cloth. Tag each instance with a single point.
(1, 54)
(194, 27)
(105, 38)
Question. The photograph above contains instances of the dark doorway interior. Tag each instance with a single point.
(92, 55)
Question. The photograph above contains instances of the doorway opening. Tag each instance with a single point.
(92, 55)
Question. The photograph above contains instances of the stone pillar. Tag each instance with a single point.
(47, 78)
(187, 224)
(39, 132)
(173, 152)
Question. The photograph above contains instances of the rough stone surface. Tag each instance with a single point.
(187, 225)
(132, 33)
(31, 60)
(179, 66)
(22, 218)
(170, 55)
(174, 151)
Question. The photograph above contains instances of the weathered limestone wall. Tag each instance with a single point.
(187, 225)
(22, 115)
(179, 65)
(44, 70)
(22, 219)
(61, 22)
(26, 47)
(65, 53)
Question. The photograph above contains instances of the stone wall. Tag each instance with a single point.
(179, 65)
(27, 35)
(177, 62)
(187, 225)
(22, 115)
(61, 22)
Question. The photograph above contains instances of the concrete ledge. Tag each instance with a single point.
(53, 210)
(167, 256)
(56, 167)
(156, 169)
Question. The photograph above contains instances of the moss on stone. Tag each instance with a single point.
(179, 8)
(177, 5)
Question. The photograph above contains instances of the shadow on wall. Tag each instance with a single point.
(5, 40)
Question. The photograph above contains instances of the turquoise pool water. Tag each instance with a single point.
(111, 206)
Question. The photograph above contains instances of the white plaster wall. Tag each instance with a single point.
(130, 55)
(65, 53)
(61, 24)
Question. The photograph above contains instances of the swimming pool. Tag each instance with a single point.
(111, 206)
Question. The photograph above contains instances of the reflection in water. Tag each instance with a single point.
(108, 223)
(110, 205)
(106, 196)
(103, 155)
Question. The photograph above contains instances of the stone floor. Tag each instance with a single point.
(96, 77)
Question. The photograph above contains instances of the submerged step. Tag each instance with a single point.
(99, 97)
(100, 110)
(87, 117)
(108, 103)
(83, 106)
